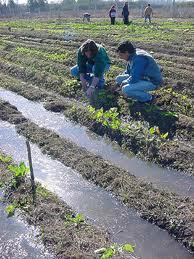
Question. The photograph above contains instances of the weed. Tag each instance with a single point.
(18, 173)
(77, 219)
(115, 249)
(5, 159)
(10, 209)
(156, 130)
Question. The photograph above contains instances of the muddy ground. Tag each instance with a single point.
(62, 238)
(176, 154)
(165, 209)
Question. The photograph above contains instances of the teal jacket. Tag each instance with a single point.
(100, 60)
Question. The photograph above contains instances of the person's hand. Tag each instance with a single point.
(116, 88)
(84, 84)
(90, 91)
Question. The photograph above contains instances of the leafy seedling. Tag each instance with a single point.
(74, 219)
(5, 159)
(115, 249)
(18, 173)
(10, 209)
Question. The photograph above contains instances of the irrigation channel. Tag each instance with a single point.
(99, 206)
(18, 240)
(161, 178)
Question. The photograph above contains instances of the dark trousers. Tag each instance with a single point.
(126, 19)
(112, 20)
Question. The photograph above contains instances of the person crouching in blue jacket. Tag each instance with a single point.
(142, 74)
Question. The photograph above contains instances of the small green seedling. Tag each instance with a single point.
(74, 219)
(10, 209)
(18, 173)
(115, 249)
(169, 114)
(164, 136)
(5, 159)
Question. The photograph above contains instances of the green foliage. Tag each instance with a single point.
(169, 114)
(107, 118)
(128, 248)
(115, 249)
(42, 54)
(156, 130)
(42, 191)
(76, 220)
(18, 171)
(10, 209)
(5, 159)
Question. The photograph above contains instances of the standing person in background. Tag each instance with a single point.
(148, 12)
(112, 14)
(125, 13)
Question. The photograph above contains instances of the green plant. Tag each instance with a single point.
(169, 114)
(18, 173)
(156, 130)
(5, 159)
(74, 219)
(115, 249)
(10, 209)
(108, 118)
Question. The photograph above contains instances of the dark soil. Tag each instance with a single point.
(49, 214)
(171, 153)
(165, 209)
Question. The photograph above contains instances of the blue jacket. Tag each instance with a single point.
(142, 66)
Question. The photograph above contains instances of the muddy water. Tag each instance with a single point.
(17, 240)
(161, 178)
(98, 205)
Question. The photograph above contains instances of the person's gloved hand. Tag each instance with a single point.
(90, 91)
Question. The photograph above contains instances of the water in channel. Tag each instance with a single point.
(17, 240)
(161, 178)
(99, 206)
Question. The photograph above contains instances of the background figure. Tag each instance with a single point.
(86, 16)
(148, 12)
(112, 14)
(125, 13)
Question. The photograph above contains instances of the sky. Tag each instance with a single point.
(57, 1)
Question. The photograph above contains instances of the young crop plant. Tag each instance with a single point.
(10, 209)
(76, 220)
(107, 118)
(18, 172)
(5, 159)
(156, 130)
(114, 250)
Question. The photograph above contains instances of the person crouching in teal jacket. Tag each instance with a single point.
(92, 63)
(142, 74)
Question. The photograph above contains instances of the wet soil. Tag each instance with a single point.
(173, 153)
(165, 209)
(49, 214)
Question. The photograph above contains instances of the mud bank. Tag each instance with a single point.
(50, 215)
(165, 209)
(173, 154)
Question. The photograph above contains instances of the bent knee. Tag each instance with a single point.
(74, 71)
(125, 90)
(119, 79)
